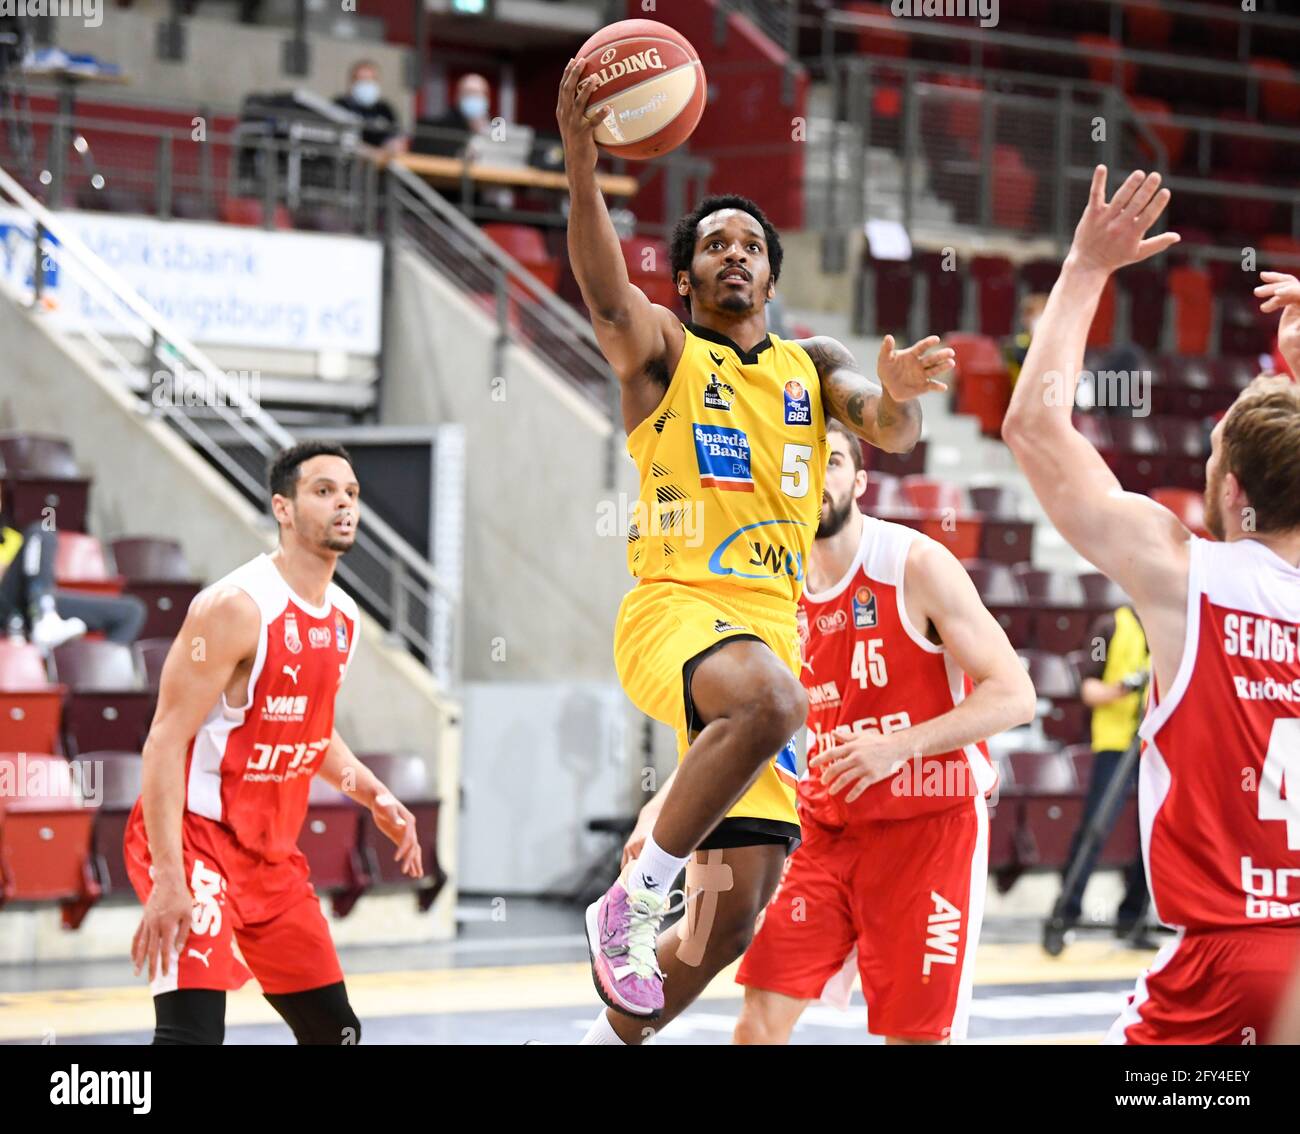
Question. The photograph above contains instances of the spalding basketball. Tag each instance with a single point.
(652, 81)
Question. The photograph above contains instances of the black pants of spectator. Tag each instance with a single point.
(31, 576)
(1134, 905)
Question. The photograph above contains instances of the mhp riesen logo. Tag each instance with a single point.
(750, 553)
(723, 457)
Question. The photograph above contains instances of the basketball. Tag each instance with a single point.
(652, 81)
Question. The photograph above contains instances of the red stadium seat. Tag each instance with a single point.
(248, 212)
(1048, 772)
(527, 245)
(405, 775)
(1060, 619)
(41, 482)
(995, 281)
(150, 654)
(931, 494)
(882, 494)
(330, 838)
(1103, 66)
(1056, 681)
(1193, 296)
(880, 42)
(983, 385)
(1014, 190)
(81, 565)
(1102, 331)
(108, 708)
(1001, 592)
(117, 777)
(1187, 505)
(1004, 537)
(1279, 89)
(944, 293)
(1101, 593)
(1186, 444)
(31, 706)
(940, 507)
(1147, 26)
(157, 573)
(895, 464)
(45, 832)
(1154, 114)
(1144, 285)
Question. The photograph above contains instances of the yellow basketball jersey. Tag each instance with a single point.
(732, 463)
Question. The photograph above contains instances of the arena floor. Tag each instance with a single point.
(528, 979)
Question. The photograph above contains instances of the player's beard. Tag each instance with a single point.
(333, 542)
(733, 302)
(834, 517)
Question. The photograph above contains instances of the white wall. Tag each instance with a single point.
(225, 61)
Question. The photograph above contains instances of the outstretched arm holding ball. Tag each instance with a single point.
(642, 341)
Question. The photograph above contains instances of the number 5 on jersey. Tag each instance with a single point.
(794, 470)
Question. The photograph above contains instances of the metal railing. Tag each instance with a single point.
(146, 353)
(524, 309)
(86, 161)
(939, 152)
(1040, 51)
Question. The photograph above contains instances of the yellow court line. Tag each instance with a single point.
(432, 992)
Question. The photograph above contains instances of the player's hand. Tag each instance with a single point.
(1281, 292)
(1109, 236)
(907, 374)
(645, 824)
(862, 761)
(577, 128)
(398, 824)
(164, 927)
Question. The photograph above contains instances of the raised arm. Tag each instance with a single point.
(639, 338)
(884, 413)
(219, 633)
(1281, 292)
(940, 593)
(1138, 543)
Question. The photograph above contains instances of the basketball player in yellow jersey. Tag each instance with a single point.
(727, 425)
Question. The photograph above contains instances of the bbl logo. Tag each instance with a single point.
(798, 409)
(340, 633)
(864, 608)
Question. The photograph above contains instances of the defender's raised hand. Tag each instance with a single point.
(907, 374)
(1110, 236)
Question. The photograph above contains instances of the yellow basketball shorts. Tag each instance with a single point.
(662, 628)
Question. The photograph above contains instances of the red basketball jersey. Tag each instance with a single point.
(250, 766)
(868, 669)
(1219, 783)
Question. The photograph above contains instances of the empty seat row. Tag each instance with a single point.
(62, 826)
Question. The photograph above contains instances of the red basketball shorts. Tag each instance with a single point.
(898, 902)
(269, 909)
(1211, 986)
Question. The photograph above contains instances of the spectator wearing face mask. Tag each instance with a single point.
(468, 117)
(365, 100)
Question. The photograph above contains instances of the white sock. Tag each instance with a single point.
(654, 870)
(601, 1033)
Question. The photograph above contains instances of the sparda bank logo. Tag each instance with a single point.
(757, 556)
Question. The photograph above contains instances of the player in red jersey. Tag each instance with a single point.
(245, 718)
(1219, 777)
(889, 880)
